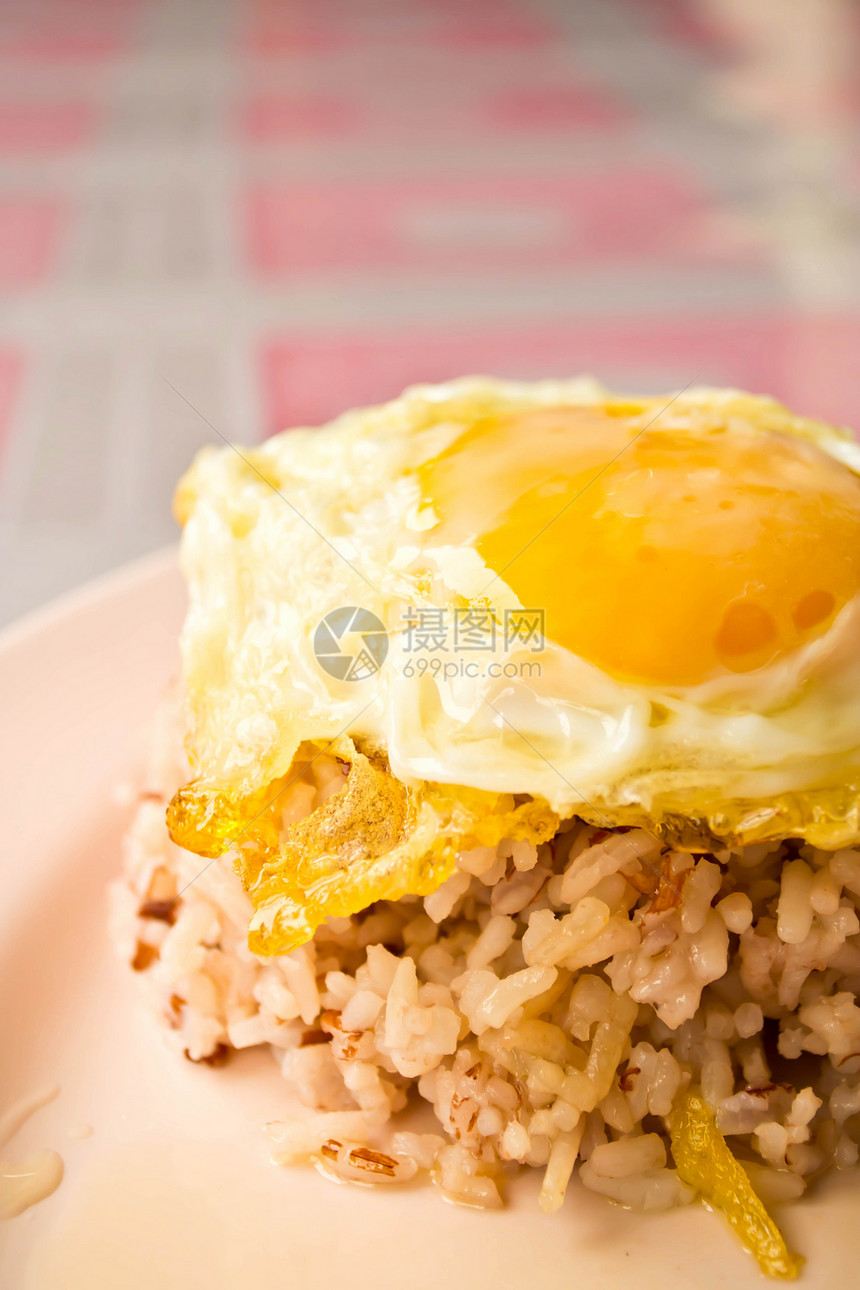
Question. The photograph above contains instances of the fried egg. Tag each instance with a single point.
(694, 562)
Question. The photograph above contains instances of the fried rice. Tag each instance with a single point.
(552, 1004)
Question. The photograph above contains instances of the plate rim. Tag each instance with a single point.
(85, 595)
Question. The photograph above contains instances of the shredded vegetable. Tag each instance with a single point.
(704, 1161)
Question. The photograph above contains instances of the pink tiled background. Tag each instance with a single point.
(469, 225)
(287, 207)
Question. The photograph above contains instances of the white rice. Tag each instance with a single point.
(548, 1003)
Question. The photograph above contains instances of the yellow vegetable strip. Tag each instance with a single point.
(704, 1161)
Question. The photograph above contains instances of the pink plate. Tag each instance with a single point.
(173, 1188)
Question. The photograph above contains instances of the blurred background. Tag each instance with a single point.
(233, 216)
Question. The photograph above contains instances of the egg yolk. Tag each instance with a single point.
(662, 556)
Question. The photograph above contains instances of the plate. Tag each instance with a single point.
(173, 1188)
